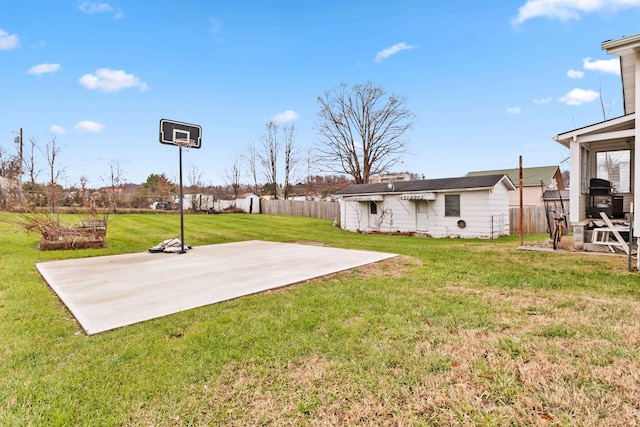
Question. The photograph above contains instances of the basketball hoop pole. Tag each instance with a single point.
(180, 142)
(181, 206)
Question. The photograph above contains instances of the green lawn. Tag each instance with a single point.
(455, 332)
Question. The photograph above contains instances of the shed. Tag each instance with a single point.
(468, 207)
(248, 203)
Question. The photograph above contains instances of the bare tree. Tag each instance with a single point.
(361, 130)
(268, 156)
(51, 152)
(11, 194)
(250, 159)
(114, 181)
(9, 164)
(290, 157)
(233, 174)
(29, 162)
(194, 180)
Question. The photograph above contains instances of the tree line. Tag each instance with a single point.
(360, 132)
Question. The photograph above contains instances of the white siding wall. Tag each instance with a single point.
(249, 204)
(354, 215)
(499, 211)
(485, 212)
(475, 210)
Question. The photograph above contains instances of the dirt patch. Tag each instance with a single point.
(392, 267)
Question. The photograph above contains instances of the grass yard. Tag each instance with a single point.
(452, 333)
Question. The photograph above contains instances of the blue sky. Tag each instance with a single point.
(487, 81)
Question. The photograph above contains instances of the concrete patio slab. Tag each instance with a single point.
(109, 292)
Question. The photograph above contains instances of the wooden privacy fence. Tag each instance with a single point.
(534, 220)
(311, 209)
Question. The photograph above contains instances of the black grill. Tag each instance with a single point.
(599, 197)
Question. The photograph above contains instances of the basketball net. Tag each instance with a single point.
(185, 142)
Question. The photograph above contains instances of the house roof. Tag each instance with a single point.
(551, 195)
(530, 176)
(465, 183)
(619, 128)
(245, 195)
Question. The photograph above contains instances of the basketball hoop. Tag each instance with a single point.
(182, 135)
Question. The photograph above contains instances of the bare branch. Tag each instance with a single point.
(361, 130)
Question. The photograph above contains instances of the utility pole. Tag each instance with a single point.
(20, 170)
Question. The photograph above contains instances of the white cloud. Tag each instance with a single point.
(514, 111)
(542, 100)
(579, 96)
(611, 66)
(565, 10)
(575, 74)
(286, 116)
(89, 126)
(108, 80)
(385, 53)
(57, 130)
(90, 7)
(43, 69)
(8, 41)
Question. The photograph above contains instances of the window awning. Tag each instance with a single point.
(370, 198)
(418, 196)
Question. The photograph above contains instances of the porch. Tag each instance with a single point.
(602, 173)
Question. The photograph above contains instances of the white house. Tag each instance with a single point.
(467, 207)
(603, 155)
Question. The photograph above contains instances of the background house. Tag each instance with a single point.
(469, 207)
(535, 181)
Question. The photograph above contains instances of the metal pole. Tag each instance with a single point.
(181, 206)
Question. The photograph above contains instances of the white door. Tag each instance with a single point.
(375, 210)
(422, 215)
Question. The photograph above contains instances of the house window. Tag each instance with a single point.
(615, 167)
(451, 205)
(373, 208)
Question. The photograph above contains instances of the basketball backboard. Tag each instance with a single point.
(181, 134)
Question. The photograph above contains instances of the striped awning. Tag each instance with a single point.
(418, 196)
(370, 198)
